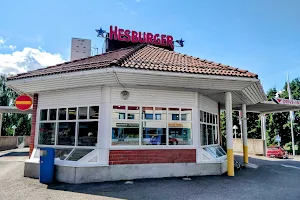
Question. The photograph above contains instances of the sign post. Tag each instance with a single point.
(278, 139)
(235, 128)
(14, 129)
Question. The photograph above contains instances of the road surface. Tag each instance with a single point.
(271, 180)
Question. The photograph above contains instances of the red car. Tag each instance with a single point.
(276, 152)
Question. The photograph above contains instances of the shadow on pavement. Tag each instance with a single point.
(247, 183)
(12, 154)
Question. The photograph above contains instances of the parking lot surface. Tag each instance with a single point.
(271, 180)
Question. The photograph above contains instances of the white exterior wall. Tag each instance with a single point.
(207, 104)
(70, 97)
(150, 97)
(106, 97)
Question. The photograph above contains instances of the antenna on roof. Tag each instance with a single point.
(93, 51)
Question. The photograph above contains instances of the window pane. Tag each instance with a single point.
(154, 133)
(180, 133)
(160, 113)
(82, 112)
(203, 134)
(78, 154)
(66, 133)
(61, 154)
(118, 112)
(62, 114)
(43, 115)
(72, 113)
(147, 113)
(220, 149)
(173, 113)
(133, 112)
(204, 117)
(125, 133)
(211, 152)
(47, 133)
(186, 114)
(215, 129)
(201, 116)
(157, 116)
(216, 151)
(87, 134)
(94, 112)
(210, 134)
(52, 114)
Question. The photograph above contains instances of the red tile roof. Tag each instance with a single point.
(145, 57)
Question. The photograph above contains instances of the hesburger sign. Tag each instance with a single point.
(23, 102)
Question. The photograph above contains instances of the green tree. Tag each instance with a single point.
(22, 121)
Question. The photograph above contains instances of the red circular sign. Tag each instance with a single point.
(23, 102)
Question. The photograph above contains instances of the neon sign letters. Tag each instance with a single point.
(126, 35)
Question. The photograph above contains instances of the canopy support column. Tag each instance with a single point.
(229, 134)
(263, 132)
(1, 115)
(245, 134)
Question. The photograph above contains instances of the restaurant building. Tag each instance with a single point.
(141, 111)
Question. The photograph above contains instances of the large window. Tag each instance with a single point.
(208, 128)
(73, 126)
(147, 125)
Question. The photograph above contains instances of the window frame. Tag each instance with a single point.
(57, 121)
(208, 121)
(141, 120)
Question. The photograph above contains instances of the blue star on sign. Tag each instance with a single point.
(100, 32)
(180, 42)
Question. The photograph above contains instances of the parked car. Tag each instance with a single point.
(173, 141)
(277, 152)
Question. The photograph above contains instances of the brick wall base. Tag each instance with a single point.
(117, 157)
(33, 123)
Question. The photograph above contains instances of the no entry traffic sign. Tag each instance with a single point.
(23, 102)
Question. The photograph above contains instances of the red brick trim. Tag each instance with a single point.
(152, 156)
(33, 123)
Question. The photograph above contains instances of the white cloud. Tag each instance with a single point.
(2, 41)
(4, 46)
(26, 60)
(12, 47)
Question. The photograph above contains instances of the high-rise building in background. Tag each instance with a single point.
(80, 48)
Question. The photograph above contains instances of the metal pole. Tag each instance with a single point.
(292, 132)
(229, 135)
(263, 132)
(1, 115)
(245, 135)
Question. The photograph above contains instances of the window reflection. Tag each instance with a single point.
(119, 112)
(154, 133)
(125, 133)
(147, 113)
(66, 133)
(47, 133)
(180, 133)
(133, 112)
(94, 112)
(87, 133)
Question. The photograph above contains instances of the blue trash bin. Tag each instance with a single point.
(47, 156)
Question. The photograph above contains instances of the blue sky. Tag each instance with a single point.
(262, 36)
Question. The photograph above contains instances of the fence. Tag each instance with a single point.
(255, 146)
(12, 142)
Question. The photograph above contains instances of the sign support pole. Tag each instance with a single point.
(292, 132)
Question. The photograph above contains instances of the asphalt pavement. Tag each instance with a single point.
(271, 180)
